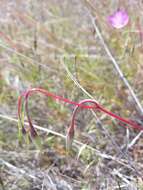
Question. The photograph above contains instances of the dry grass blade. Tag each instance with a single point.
(17, 170)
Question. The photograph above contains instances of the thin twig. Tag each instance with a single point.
(134, 140)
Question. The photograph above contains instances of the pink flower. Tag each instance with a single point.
(118, 19)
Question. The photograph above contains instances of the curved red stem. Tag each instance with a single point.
(96, 106)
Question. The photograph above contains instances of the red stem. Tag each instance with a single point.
(96, 106)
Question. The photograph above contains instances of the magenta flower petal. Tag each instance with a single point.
(118, 19)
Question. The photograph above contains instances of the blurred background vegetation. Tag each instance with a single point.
(38, 40)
